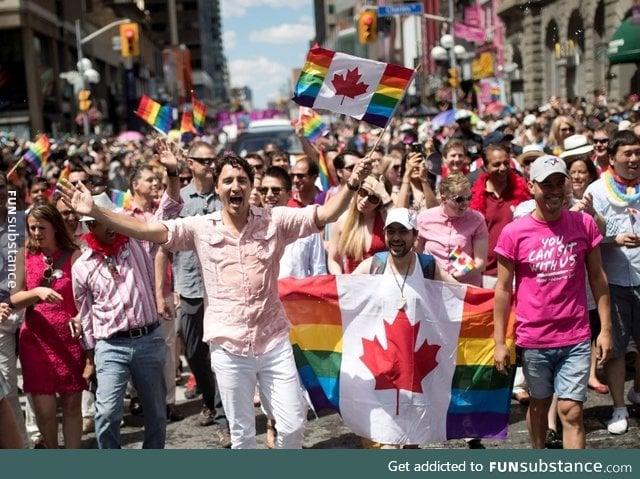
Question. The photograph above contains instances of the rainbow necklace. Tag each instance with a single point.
(619, 194)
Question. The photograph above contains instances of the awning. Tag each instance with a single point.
(624, 46)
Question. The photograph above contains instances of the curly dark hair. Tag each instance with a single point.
(229, 158)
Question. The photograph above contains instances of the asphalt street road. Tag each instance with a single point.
(328, 432)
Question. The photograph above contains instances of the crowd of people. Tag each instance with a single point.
(147, 252)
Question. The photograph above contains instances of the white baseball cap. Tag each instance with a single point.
(546, 166)
(403, 216)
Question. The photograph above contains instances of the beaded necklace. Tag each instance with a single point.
(620, 194)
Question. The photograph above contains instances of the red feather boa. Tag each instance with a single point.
(105, 249)
(515, 193)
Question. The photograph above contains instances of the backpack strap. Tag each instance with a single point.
(427, 264)
(379, 262)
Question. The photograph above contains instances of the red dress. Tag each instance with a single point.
(52, 359)
(377, 245)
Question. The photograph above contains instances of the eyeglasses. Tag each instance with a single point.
(258, 167)
(48, 272)
(461, 199)
(111, 266)
(298, 175)
(604, 141)
(371, 197)
(205, 161)
(276, 190)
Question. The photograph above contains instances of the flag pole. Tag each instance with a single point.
(384, 130)
(15, 167)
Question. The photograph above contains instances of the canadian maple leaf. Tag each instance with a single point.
(349, 85)
(399, 366)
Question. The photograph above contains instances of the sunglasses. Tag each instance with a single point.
(397, 167)
(461, 199)
(276, 190)
(48, 272)
(298, 175)
(257, 167)
(111, 266)
(371, 197)
(203, 161)
(566, 129)
(604, 141)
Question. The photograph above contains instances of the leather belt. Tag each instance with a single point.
(136, 332)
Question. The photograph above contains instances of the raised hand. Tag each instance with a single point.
(78, 198)
(167, 155)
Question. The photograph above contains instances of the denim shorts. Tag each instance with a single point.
(564, 371)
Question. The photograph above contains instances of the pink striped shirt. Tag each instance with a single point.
(108, 305)
(242, 309)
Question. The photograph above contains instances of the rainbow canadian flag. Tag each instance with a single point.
(417, 375)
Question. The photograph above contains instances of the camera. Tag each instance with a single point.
(417, 148)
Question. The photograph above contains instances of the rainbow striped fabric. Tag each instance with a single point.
(363, 89)
(38, 154)
(323, 170)
(186, 123)
(158, 116)
(199, 113)
(336, 319)
(64, 174)
(312, 125)
(122, 199)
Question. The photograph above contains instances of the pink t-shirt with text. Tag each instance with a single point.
(549, 258)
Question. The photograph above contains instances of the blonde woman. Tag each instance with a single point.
(359, 233)
(561, 128)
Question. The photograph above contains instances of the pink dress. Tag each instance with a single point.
(52, 359)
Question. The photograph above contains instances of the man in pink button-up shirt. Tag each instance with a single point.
(239, 250)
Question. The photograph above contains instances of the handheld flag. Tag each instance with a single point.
(364, 89)
(325, 178)
(158, 116)
(414, 376)
(38, 154)
(312, 125)
(122, 199)
(64, 175)
(633, 217)
(186, 123)
(199, 113)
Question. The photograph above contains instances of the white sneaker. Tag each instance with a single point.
(633, 396)
(619, 422)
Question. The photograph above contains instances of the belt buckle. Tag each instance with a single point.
(136, 333)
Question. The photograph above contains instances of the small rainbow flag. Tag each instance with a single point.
(325, 179)
(199, 113)
(363, 89)
(352, 347)
(122, 199)
(186, 123)
(38, 154)
(158, 116)
(64, 175)
(462, 262)
(312, 125)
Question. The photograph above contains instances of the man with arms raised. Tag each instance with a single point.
(244, 323)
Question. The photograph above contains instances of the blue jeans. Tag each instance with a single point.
(117, 360)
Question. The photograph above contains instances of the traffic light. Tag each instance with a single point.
(129, 40)
(454, 78)
(368, 26)
(84, 100)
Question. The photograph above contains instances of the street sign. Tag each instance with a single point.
(402, 9)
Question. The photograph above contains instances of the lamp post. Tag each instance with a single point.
(448, 50)
(86, 73)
